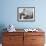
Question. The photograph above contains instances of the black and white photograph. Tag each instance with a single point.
(26, 14)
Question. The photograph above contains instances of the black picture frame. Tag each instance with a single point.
(26, 14)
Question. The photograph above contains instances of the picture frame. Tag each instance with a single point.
(26, 14)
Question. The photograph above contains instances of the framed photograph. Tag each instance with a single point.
(26, 14)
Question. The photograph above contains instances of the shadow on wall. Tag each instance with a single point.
(2, 26)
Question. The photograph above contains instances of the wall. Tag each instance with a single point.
(8, 15)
